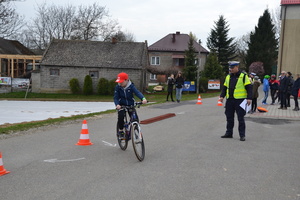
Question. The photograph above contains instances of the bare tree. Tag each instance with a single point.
(93, 22)
(52, 22)
(85, 23)
(275, 15)
(123, 36)
(10, 21)
(241, 49)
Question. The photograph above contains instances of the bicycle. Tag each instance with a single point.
(132, 132)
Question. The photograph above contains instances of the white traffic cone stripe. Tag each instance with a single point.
(1, 162)
(84, 126)
(84, 136)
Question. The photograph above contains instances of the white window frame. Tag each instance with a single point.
(155, 60)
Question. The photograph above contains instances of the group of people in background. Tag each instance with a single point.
(281, 89)
(179, 83)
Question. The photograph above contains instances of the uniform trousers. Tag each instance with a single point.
(232, 107)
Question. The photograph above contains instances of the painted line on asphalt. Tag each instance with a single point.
(109, 144)
(55, 160)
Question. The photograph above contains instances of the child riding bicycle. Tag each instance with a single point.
(123, 96)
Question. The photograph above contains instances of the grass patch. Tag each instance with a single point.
(158, 97)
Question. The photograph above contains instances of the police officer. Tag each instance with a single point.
(237, 88)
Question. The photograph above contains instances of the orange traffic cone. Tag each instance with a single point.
(84, 135)
(219, 103)
(199, 102)
(2, 170)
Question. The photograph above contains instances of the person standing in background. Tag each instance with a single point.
(289, 89)
(171, 83)
(295, 92)
(255, 86)
(179, 82)
(266, 89)
(251, 77)
(274, 85)
(283, 87)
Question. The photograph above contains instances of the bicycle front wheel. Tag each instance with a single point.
(137, 141)
(123, 142)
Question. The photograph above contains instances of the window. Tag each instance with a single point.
(54, 72)
(155, 60)
(179, 62)
(152, 76)
(94, 74)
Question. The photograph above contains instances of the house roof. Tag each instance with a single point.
(175, 42)
(285, 2)
(95, 54)
(13, 47)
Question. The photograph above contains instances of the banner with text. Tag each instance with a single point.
(214, 84)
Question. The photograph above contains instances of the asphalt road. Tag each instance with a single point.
(185, 159)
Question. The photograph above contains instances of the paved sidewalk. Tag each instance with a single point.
(273, 111)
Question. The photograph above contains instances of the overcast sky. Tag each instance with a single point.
(151, 20)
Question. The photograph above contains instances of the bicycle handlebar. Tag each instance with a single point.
(136, 104)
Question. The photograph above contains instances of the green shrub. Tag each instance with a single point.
(203, 84)
(88, 85)
(111, 86)
(74, 85)
(102, 86)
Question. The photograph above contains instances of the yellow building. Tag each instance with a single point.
(289, 47)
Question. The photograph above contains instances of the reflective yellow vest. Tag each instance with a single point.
(239, 92)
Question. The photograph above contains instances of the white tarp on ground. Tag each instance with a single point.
(25, 111)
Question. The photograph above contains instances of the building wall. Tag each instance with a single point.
(167, 62)
(289, 51)
(60, 83)
(35, 81)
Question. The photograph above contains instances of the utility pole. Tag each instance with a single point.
(198, 71)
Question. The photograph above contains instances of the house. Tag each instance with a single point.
(289, 51)
(67, 59)
(167, 56)
(14, 58)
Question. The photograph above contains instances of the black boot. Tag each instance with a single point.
(296, 108)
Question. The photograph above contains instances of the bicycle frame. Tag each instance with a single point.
(133, 132)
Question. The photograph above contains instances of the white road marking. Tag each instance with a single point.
(109, 144)
(180, 113)
(55, 160)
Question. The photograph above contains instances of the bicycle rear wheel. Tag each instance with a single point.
(123, 143)
(138, 141)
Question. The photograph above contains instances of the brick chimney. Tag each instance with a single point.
(173, 37)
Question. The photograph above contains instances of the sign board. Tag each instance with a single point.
(189, 86)
(214, 84)
(5, 80)
(20, 82)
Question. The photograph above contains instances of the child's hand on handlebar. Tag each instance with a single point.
(118, 107)
(144, 101)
